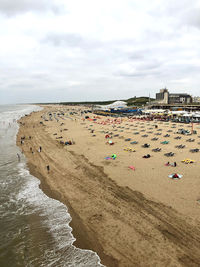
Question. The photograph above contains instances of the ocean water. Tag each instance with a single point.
(34, 229)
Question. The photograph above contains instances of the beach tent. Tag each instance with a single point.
(115, 105)
(175, 176)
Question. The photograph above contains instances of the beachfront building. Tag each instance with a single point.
(196, 99)
(164, 97)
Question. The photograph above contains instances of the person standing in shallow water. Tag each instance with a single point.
(18, 157)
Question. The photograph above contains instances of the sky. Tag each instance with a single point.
(82, 50)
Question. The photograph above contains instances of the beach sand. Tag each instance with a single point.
(129, 217)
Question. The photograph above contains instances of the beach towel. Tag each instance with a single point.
(110, 142)
(129, 149)
(107, 158)
(131, 167)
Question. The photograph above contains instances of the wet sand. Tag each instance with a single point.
(129, 217)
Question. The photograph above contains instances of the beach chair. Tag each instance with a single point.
(164, 142)
(170, 154)
(177, 137)
(156, 149)
(146, 145)
(194, 150)
(180, 146)
(133, 142)
(147, 156)
(190, 140)
(187, 161)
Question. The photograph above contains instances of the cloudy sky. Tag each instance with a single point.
(78, 50)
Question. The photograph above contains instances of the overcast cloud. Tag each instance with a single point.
(75, 50)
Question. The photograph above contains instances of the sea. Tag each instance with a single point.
(34, 229)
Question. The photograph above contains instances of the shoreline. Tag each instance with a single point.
(82, 240)
(110, 219)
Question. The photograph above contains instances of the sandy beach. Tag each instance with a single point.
(126, 209)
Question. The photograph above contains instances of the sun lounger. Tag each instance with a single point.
(164, 142)
(154, 139)
(194, 150)
(146, 145)
(190, 140)
(170, 154)
(180, 146)
(147, 156)
(133, 142)
(187, 161)
(177, 137)
(156, 149)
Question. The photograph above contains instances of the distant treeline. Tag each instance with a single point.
(138, 101)
(134, 101)
(89, 102)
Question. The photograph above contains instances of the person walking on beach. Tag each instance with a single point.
(48, 168)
